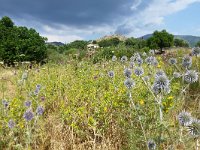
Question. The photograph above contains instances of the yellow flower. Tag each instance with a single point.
(170, 97)
(141, 102)
(159, 66)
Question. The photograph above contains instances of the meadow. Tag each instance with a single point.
(145, 102)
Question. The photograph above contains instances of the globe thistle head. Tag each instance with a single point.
(132, 59)
(129, 83)
(191, 76)
(114, 58)
(151, 145)
(5, 103)
(139, 71)
(176, 75)
(11, 124)
(187, 61)
(38, 86)
(155, 62)
(127, 72)
(39, 110)
(151, 52)
(139, 61)
(161, 83)
(131, 65)
(184, 118)
(111, 74)
(124, 59)
(196, 51)
(144, 54)
(149, 60)
(36, 92)
(160, 73)
(27, 103)
(25, 75)
(172, 61)
(194, 127)
(28, 115)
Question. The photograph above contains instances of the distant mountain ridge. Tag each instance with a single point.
(192, 40)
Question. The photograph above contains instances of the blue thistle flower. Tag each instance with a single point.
(11, 124)
(131, 65)
(27, 103)
(184, 118)
(160, 73)
(194, 128)
(127, 73)
(39, 110)
(139, 61)
(114, 58)
(176, 75)
(139, 71)
(28, 115)
(38, 86)
(151, 145)
(111, 74)
(161, 83)
(149, 60)
(191, 76)
(187, 61)
(124, 59)
(5, 103)
(196, 51)
(129, 83)
(151, 52)
(172, 61)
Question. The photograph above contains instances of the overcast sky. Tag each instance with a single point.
(69, 20)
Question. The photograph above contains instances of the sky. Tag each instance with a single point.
(69, 20)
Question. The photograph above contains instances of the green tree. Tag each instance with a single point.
(198, 44)
(180, 43)
(109, 42)
(20, 43)
(161, 39)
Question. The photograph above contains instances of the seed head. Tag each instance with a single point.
(151, 145)
(184, 118)
(191, 76)
(139, 71)
(129, 83)
(127, 72)
(28, 115)
(172, 61)
(111, 74)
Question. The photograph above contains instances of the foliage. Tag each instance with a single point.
(180, 43)
(109, 42)
(198, 44)
(20, 43)
(160, 39)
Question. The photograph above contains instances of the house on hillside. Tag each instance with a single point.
(92, 46)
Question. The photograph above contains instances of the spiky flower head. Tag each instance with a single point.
(27, 103)
(132, 59)
(127, 72)
(38, 86)
(124, 59)
(11, 124)
(139, 61)
(114, 58)
(131, 65)
(196, 51)
(194, 128)
(151, 145)
(111, 74)
(160, 73)
(39, 110)
(161, 83)
(151, 52)
(144, 54)
(5, 103)
(184, 118)
(187, 61)
(139, 71)
(129, 83)
(176, 75)
(150, 60)
(191, 76)
(28, 115)
(155, 62)
(172, 61)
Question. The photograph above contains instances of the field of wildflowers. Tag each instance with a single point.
(146, 102)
